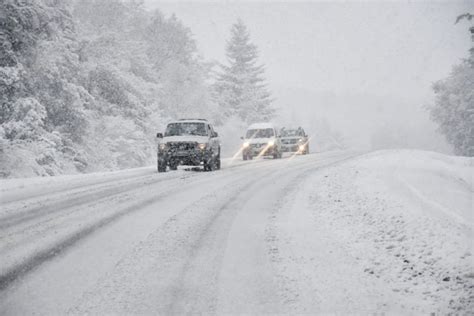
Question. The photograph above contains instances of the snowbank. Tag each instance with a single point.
(407, 217)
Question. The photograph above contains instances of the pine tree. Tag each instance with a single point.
(240, 87)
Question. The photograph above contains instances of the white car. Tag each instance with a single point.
(261, 139)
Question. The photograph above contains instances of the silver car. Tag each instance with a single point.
(294, 140)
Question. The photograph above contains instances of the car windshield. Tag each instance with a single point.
(290, 133)
(260, 133)
(180, 129)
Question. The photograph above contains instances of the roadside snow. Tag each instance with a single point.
(406, 217)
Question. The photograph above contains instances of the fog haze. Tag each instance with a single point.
(372, 62)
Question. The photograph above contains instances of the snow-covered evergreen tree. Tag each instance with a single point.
(86, 84)
(454, 105)
(240, 88)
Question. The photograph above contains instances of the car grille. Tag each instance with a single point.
(257, 146)
(181, 146)
(289, 141)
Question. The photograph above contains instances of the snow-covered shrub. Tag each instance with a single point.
(453, 109)
(10, 83)
(27, 120)
(85, 85)
(9, 76)
(122, 144)
(26, 158)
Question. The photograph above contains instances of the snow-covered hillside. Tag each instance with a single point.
(406, 218)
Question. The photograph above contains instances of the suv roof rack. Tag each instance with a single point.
(192, 119)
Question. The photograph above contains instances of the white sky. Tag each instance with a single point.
(363, 47)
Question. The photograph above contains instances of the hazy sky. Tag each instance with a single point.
(362, 67)
(395, 48)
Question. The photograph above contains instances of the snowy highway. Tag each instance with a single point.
(236, 157)
(256, 237)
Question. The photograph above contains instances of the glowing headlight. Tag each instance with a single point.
(271, 143)
(163, 146)
(301, 147)
(246, 144)
(202, 146)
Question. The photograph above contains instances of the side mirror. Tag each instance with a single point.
(159, 135)
(241, 137)
(215, 134)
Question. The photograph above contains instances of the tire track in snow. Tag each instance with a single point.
(196, 290)
(262, 289)
(199, 272)
(147, 281)
(50, 252)
(8, 275)
(81, 183)
(11, 274)
(20, 210)
(72, 199)
(68, 204)
(152, 275)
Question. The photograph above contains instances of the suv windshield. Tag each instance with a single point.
(290, 133)
(260, 133)
(180, 129)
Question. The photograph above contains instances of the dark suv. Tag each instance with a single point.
(191, 142)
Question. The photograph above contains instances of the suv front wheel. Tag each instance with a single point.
(213, 163)
(161, 166)
(218, 161)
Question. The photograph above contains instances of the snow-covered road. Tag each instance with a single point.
(296, 235)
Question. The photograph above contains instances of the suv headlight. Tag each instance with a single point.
(163, 146)
(202, 146)
(246, 144)
(271, 143)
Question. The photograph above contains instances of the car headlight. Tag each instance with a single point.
(302, 147)
(246, 144)
(163, 146)
(271, 143)
(202, 146)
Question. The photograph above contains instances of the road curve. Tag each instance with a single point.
(146, 243)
